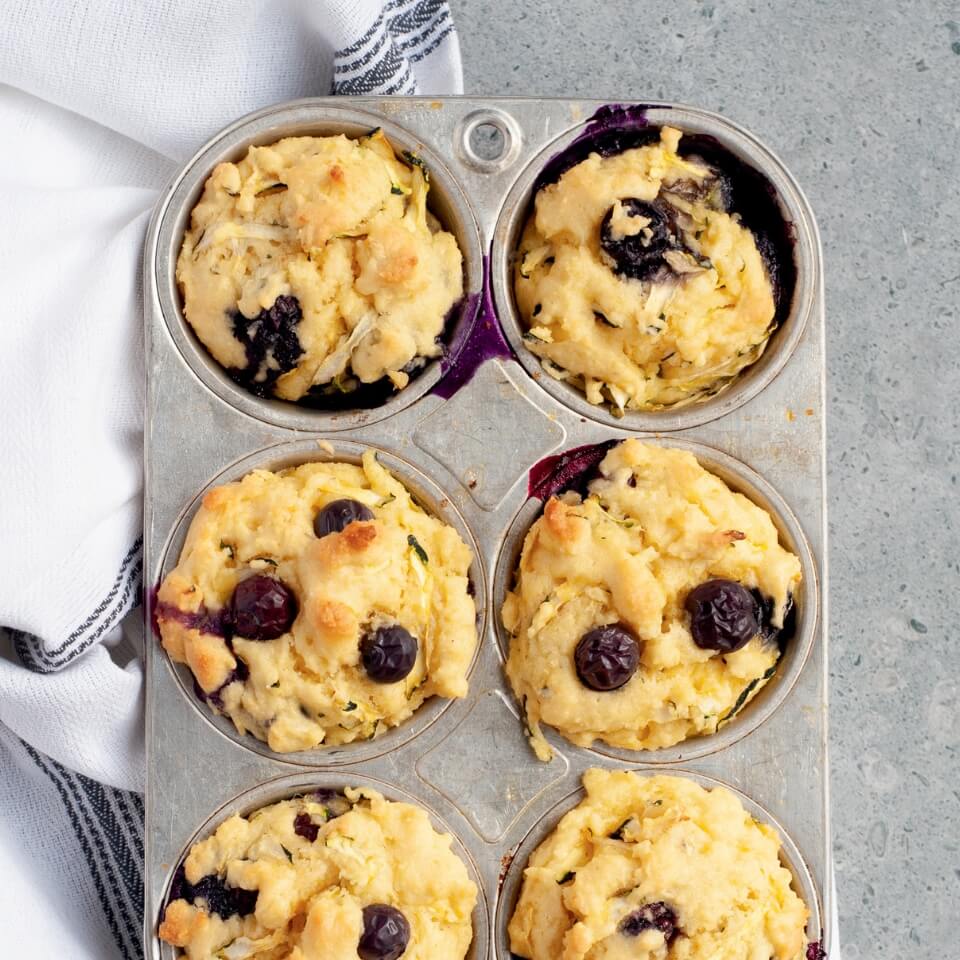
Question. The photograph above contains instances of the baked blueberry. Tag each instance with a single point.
(723, 615)
(271, 344)
(386, 933)
(262, 608)
(303, 826)
(651, 916)
(335, 804)
(637, 254)
(339, 514)
(388, 653)
(607, 657)
(221, 899)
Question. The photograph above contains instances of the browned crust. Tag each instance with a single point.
(561, 520)
(182, 923)
(333, 617)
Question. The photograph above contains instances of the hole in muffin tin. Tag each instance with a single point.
(287, 787)
(716, 136)
(741, 479)
(488, 140)
(427, 494)
(307, 118)
(509, 893)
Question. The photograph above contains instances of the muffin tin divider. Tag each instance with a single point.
(471, 767)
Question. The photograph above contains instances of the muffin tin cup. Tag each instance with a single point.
(427, 494)
(800, 227)
(790, 856)
(741, 479)
(314, 117)
(285, 788)
(465, 447)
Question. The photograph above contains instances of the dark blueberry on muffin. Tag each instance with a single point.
(386, 933)
(388, 653)
(338, 515)
(651, 916)
(635, 235)
(607, 657)
(303, 826)
(335, 804)
(219, 898)
(271, 344)
(723, 615)
(262, 608)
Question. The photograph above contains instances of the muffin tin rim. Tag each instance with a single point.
(291, 785)
(291, 453)
(172, 216)
(753, 379)
(791, 854)
(790, 664)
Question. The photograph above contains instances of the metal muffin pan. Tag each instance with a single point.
(463, 436)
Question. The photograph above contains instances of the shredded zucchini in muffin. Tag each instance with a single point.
(289, 666)
(307, 879)
(637, 285)
(654, 527)
(312, 265)
(655, 867)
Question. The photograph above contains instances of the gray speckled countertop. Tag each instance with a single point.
(862, 101)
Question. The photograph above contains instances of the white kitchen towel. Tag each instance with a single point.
(100, 102)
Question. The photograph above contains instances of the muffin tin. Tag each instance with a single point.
(464, 436)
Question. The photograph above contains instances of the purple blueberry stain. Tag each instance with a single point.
(481, 340)
(201, 619)
(613, 129)
(815, 951)
(571, 470)
(238, 674)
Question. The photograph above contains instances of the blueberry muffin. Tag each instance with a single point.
(327, 876)
(637, 284)
(657, 868)
(319, 604)
(312, 266)
(649, 610)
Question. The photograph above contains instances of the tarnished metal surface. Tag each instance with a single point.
(467, 459)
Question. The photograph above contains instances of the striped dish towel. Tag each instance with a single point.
(100, 102)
